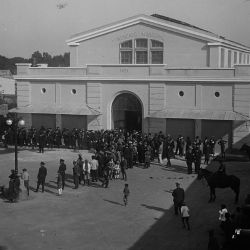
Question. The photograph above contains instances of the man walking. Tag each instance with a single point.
(179, 196)
(62, 170)
(25, 177)
(42, 173)
(123, 166)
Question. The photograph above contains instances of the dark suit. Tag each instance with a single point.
(42, 173)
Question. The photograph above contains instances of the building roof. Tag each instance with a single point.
(66, 109)
(159, 21)
(200, 114)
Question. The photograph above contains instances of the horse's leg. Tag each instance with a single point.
(214, 196)
(210, 199)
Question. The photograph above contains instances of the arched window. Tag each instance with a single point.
(126, 52)
(141, 51)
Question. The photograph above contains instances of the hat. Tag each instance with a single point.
(177, 183)
(42, 163)
(24, 169)
(61, 159)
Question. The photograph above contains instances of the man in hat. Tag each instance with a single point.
(25, 177)
(42, 173)
(179, 196)
(62, 170)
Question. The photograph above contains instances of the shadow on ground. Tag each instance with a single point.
(167, 231)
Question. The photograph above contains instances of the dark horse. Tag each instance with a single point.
(245, 148)
(220, 180)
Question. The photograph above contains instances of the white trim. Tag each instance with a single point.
(127, 79)
(147, 20)
(234, 47)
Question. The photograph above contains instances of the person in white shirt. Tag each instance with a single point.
(25, 177)
(222, 212)
(86, 171)
(94, 168)
(185, 215)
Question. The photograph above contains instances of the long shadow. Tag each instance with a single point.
(114, 202)
(167, 231)
(66, 185)
(154, 208)
(7, 151)
(176, 168)
(95, 185)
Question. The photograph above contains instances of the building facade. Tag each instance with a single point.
(150, 73)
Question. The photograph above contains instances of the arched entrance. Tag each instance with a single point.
(127, 112)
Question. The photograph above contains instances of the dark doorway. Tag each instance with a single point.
(127, 112)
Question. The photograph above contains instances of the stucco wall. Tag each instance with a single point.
(23, 93)
(112, 89)
(179, 50)
(241, 99)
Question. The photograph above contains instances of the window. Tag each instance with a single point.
(126, 52)
(141, 57)
(235, 57)
(240, 58)
(217, 94)
(141, 43)
(222, 61)
(229, 58)
(181, 93)
(141, 51)
(247, 58)
(43, 90)
(73, 91)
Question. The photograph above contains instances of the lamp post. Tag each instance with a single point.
(15, 122)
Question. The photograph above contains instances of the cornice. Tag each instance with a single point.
(135, 79)
(149, 20)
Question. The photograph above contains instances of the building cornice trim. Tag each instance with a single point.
(133, 79)
(144, 19)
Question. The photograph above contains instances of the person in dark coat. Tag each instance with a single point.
(189, 159)
(14, 186)
(42, 173)
(76, 174)
(212, 241)
(179, 196)
(62, 170)
(123, 165)
(197, 158)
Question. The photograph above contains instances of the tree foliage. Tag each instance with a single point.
(37, 57)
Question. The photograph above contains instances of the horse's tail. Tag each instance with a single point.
(235, 185)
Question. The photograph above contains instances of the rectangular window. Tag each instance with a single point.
(126, 44)
(235, 57)
(156, 44)
(222, 58)
(240, 58)
(247, 58)
(229, 59)
(126, 57)
(157, 57)
(141, 57)
(141, 43)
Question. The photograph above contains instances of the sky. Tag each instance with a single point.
(44, 25)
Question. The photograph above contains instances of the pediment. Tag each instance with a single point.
(165, 23)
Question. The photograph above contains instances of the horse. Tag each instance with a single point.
(245, 148)
(220, 180)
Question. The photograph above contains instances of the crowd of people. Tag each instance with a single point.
(115, 151)
(136, 146)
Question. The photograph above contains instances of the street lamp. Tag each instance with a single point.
(15, 122)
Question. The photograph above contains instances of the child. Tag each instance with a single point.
(125, 194)
(185, 215)
(59, 183)
(117, 170)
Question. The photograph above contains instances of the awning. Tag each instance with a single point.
(56, 109)
(200, 114)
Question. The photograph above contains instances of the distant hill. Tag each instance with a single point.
(37, 57)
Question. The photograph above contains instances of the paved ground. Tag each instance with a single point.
(95, 218)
